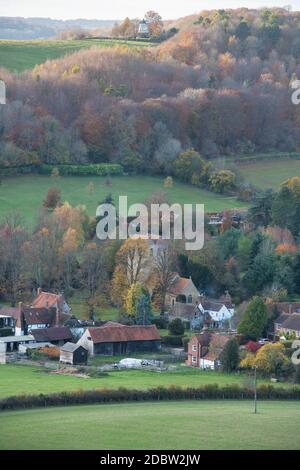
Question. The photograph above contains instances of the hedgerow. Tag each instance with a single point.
(96, 169)
(207, 392)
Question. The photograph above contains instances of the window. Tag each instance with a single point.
(194, 348)
(190, 299)
(194, 359)
(89, 338)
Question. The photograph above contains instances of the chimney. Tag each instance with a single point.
(59, 309)
(39, 291)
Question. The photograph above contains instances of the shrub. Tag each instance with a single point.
(161, 323)
(172, 340)
(95, 169)
(176, 327)
(53, 198)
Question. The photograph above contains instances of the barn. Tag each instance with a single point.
(116, 339)
(74, 354)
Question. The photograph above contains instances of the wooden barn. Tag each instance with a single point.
(115, 339)
(73, 354)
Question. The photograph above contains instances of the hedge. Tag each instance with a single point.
(263, 156)
(172, 340)
(95, 169)
(207, 392)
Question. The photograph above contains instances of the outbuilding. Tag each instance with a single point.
(73, 354)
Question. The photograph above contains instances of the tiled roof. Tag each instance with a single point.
(178, 286)
(57, 333)
(183, 310)
(292, 322)
(70, 347)
(46, 299)
(211, 356)
(204, 338)
(37, 316)
(116, 334)
(282, 318)
(288, 307)
(211, 305)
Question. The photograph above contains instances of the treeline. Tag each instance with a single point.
(142, 107)
(207, 392)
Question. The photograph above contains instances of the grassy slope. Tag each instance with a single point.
(18, 56)
(271, 173)
(23, 379)
(26, 193)
(176, 425)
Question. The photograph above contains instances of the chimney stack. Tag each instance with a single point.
(39, 291)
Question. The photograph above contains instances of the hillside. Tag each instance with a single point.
(18, 56)
(220, 86)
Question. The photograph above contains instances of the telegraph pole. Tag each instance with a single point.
(255, 389)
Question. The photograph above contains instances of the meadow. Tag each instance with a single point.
(18, 56)
(164, 425)
(18, 379)
(26, 193)
(270, 173)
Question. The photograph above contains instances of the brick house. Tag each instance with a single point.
(197, 348)
(205, 349)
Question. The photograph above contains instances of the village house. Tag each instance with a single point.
(73, 354)
(116, 339)
(203, 313)
(214, 314)
(198, 348)
(205, 350)
(47, 310)
(287, 323)
(182, 292)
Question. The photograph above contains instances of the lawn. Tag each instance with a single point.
(18, 56)
(165, 425)
(18, 379)
(26, 193)
(270, 173)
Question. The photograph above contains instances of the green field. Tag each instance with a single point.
(270, 173)
(18, 56)
(26, 193)
(23, 379)
(164, 425)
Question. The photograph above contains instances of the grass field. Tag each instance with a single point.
(23, 379)
(270, 173)
(164, 425)
(26, 193)
(18, 56)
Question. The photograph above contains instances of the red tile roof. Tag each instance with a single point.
(46, 299)
(118, 334)
(179, 285)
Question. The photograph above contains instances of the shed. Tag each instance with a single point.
(73, 354)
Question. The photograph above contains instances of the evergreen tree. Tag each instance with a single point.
(230, 356)
(143, 313)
